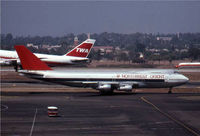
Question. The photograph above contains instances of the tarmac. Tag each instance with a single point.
(141, 114)
(82, 111)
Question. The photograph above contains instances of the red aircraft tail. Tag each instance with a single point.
(28, 60)
(83, 49)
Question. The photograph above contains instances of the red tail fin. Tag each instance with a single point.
(83, 49)
(28, 60)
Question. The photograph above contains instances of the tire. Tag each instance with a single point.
(103, 92)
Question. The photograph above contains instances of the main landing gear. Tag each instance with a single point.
(106, 92)
(170, 90)
(15, 66)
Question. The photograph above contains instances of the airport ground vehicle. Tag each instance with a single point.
(105, 82)
(52, 111)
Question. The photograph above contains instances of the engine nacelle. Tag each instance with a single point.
(125, 87)
(105, 87)
(7, 62)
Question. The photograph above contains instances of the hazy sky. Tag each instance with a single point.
(57, 18)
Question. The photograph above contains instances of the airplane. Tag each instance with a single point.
(105, 82)
(77, 55)
(188, 65)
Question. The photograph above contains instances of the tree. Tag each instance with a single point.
(194, 53)
(140, 47)
(122, 57)
(8, 39)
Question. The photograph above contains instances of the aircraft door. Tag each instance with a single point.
(167, 80)
(114, 77)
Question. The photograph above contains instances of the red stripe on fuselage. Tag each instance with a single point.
(7, 57)
(55, 63)
(194, 65)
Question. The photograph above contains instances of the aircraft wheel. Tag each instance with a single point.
(134, 91)
(16, 68)
(170, 91)
(103, 92)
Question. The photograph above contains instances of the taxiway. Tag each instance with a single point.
(92, 114)
(148, 112)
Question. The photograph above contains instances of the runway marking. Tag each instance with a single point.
(5, 107)
(170, 117)
(33, 122)
(192, 98)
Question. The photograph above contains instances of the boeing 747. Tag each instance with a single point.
(103, 81)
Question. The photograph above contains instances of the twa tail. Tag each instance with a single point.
(83, 49)
(28, 60)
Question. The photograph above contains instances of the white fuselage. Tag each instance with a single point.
(189, 65)
(9, 56)
(112, 80)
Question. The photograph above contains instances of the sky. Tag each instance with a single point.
(58, 18)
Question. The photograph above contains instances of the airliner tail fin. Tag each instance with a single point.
(28, 60)
(83, 49)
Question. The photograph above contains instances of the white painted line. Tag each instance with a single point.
(170, 117)
(33, 122)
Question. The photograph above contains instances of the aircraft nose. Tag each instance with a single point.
(185, 79)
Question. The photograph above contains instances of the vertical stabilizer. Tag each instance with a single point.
(83, 49)
(28, 60)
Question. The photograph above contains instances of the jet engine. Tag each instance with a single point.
(5, 62)
(105, 87)
(125, 87)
